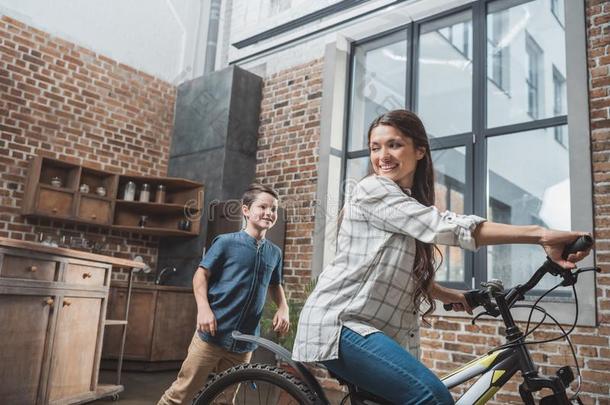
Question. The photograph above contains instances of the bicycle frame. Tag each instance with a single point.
(495, 369)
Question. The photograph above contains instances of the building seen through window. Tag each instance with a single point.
(503, 153)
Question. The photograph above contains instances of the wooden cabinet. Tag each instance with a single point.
(75, 348)
(25, 321)
(161, 326)
(76, 193)
(52, 311)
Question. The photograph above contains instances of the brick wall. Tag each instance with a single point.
(67, 102)
(287, 159)
(290, 119)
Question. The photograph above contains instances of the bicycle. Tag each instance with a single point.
(497, 367)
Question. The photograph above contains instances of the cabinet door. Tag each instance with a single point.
(74, 348)
(53, 202)
(95, 210)
(175, 320)
(139, 326)
(23, 337)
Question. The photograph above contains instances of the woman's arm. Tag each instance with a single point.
(553, 242)
(450, 296)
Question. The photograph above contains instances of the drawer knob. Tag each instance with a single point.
(86, 275)
(54, 210)
(93, 216)
(33, 269)
(49, 301)
(67, 302)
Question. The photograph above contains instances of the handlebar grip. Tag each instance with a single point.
(582, 243)
(472, 298)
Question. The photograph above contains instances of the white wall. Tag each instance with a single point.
(164, 38)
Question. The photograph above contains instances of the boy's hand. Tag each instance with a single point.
(206, 321)
(281, 322)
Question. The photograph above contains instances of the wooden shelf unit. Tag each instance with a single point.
(183, 199)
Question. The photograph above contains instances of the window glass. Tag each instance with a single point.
(444, 75)
(525, 45)
(379, 84)
(528, 184)
(450, 175)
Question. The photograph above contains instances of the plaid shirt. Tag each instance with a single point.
(368, 287)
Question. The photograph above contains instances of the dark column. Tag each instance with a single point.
(214, 142)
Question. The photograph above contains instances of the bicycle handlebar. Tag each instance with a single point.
(584, 242)
(479, 297)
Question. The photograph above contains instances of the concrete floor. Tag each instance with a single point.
(140, 388)
(145, 388)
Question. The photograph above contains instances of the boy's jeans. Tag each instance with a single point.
(379, 365)
(202, 359)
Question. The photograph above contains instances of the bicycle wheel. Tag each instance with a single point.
(261, 384)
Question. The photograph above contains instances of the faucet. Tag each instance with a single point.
(168, 268)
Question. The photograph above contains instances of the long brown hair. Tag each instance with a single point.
(409, 125)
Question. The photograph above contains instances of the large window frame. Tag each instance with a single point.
(334, 103)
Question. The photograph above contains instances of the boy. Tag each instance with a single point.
(230, 286)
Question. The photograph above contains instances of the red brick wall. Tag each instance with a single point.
(287, 159)
(67, 102)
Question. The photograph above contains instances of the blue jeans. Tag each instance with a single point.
(379, 365)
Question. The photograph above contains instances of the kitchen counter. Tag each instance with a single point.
(52, 308)
(65, 252)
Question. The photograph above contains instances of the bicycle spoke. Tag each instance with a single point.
(255, 393)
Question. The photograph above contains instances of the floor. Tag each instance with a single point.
(145, 388)
(140, 388)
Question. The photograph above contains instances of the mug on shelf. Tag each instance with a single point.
(56, 182)
(184, 225)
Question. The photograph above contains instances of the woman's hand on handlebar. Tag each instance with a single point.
(449, 296)
(554, 243)
(459, 304)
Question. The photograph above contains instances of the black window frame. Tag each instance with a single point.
(475, 141)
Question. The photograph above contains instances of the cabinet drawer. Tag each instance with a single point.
(28, 268)
(94, 210)
(54, 202)
(85, 275)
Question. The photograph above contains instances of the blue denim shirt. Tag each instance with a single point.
(241, 269)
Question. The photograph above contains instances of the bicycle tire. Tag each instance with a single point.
(255, 372)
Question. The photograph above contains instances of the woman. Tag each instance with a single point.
(363, 311)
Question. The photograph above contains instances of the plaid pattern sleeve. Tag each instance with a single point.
(387, 207)
(368, 286)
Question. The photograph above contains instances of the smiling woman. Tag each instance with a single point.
(361, 320)
(393, 155)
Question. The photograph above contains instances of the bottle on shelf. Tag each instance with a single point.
(145, 193)
(130, 191)
(160, 194)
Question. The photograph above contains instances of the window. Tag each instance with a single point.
(533, 77)
(498, 50)
(558, 11)
(559, 94)
(490, 121)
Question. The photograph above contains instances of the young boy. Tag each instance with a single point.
(230, 286)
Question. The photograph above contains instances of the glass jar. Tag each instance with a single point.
(160, 194)
(145, 193)
(130, 191)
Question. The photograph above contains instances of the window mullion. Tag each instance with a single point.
(478, 186)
